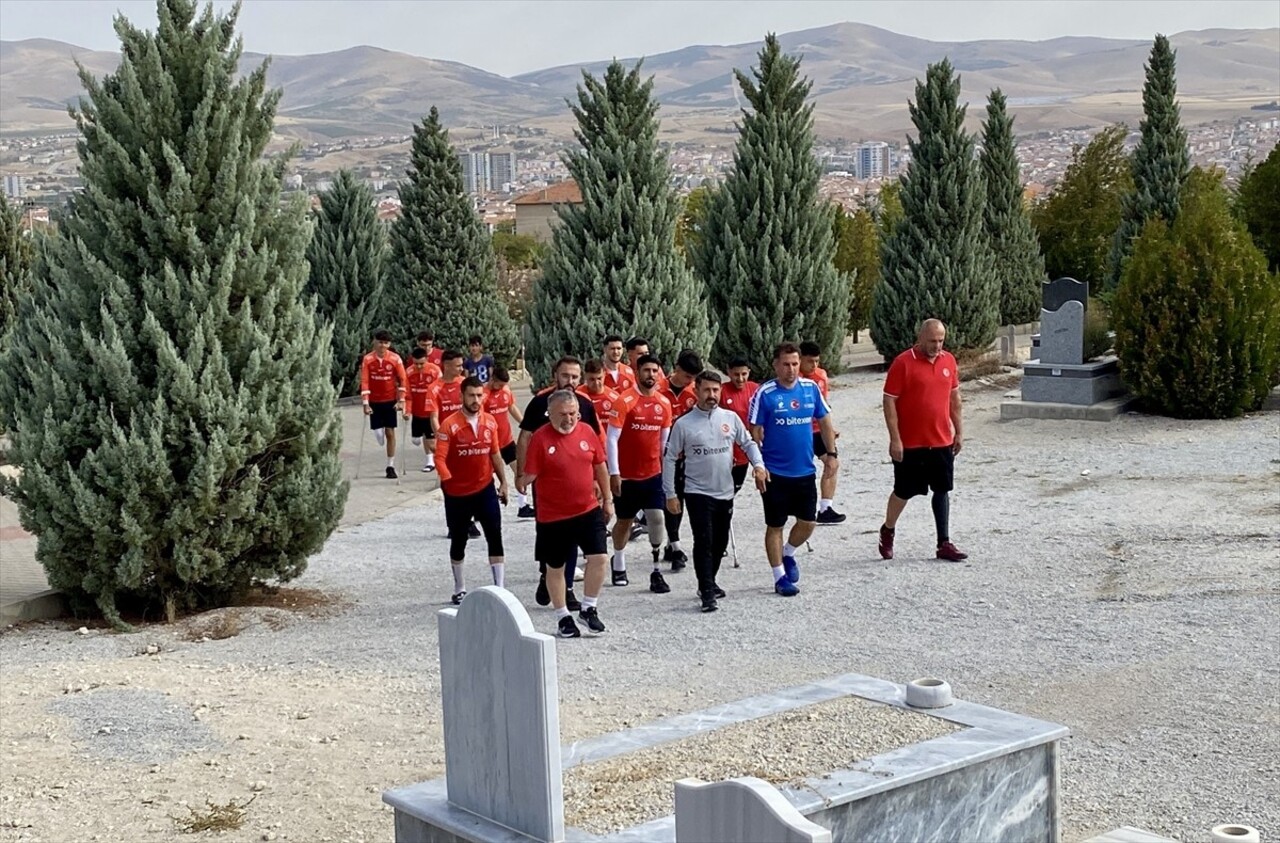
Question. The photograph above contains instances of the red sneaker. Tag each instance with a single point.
(951, 553)
(886, 542)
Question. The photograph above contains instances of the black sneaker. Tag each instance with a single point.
(717, 591)
(676, 557)
(657, 584)
(391, 472)
(830, 516)
(473, 531)
(709, 601)
(542, 597)
(638, 529)
(620, 578)
(592, 619)
(568, 629)
(525, 511)
(571, 601)
(457, 598)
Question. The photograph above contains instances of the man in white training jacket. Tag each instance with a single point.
(705, 437)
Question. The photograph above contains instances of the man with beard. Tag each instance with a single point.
(705, 438)
(566, 455)
(467, 456)
(634, 452)
(617, 375)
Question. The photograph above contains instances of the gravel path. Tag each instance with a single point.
(1137, 603)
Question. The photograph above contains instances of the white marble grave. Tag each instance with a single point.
(745, 810)
(501, 715)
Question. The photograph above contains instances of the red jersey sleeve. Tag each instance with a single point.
(955, 373)
(442, 454)
(402, 379)
(597, 448)
(533, 457)
(364, 377)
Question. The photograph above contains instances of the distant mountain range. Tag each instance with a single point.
(862, 78)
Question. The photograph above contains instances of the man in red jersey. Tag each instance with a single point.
(423, 376)
(427, 342)
(736, 396)
(679, 389)
(617, 375)
(810, 358)
(382, 388)
(467, 456)
(922, 411)
(566, 455)
(449, 387)
(609, 404)
(500, 403)
(634, 453)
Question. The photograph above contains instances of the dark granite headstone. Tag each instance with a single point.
(1061, 290)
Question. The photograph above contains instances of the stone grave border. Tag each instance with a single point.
(1001, 765)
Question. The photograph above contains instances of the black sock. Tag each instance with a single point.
(942, 516)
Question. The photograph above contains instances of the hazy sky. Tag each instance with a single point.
(516, 37)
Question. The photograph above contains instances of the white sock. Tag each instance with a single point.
(499, 571)
(588, 602)
(457, 576)
(417, 441)
(778, 573)
(824, 504)
(522, 499)
(619, 560)
(788, 550)
(562, 613)
(674, 545)
(431, 458)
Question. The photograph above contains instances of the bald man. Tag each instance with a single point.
(922, 412)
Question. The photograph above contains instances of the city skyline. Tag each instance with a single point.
(510, 38)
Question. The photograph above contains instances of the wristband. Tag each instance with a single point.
(833, 453)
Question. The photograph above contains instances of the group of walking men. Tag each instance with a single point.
(629, 443)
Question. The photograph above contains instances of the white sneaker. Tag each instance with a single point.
(578, 575)
(380, 436)
(428, 468)
(417, 441)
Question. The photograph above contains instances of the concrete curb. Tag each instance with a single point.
(44, 605)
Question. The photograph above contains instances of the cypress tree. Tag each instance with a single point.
(346, 254)
(15, 265)
(443, 275)
(613, 264)
(937, 263)
(178, 439)
(766, 252)
(1161, 162)
(1258, 206)
(1019, 266)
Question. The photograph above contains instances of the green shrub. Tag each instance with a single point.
(1197, 315)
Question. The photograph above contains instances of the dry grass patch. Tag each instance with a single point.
(228, 816)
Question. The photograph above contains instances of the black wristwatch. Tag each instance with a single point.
(833, 453)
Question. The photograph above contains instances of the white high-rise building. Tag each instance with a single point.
(872, 160)
(15, 186)
(502, 171)
(475, 171)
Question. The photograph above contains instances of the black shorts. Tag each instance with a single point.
(740, 476)
(483, 508)
(420, 428)
(509, 453)
(819, 447)
(922, 470)
(790, 497)
(557, 540)
(639, 495)
(384, 415)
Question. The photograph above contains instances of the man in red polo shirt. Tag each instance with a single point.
(467, 457)
(736, 395)
(382, 387)
(922, 412)
(566, 455)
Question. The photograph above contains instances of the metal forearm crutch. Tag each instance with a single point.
(733, 543)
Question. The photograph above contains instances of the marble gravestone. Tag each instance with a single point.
(1053, 295)
(1062, 334)
(501, 715)
(745, 810)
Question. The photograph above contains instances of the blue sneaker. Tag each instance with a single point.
(791, 568)
(786, 588)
